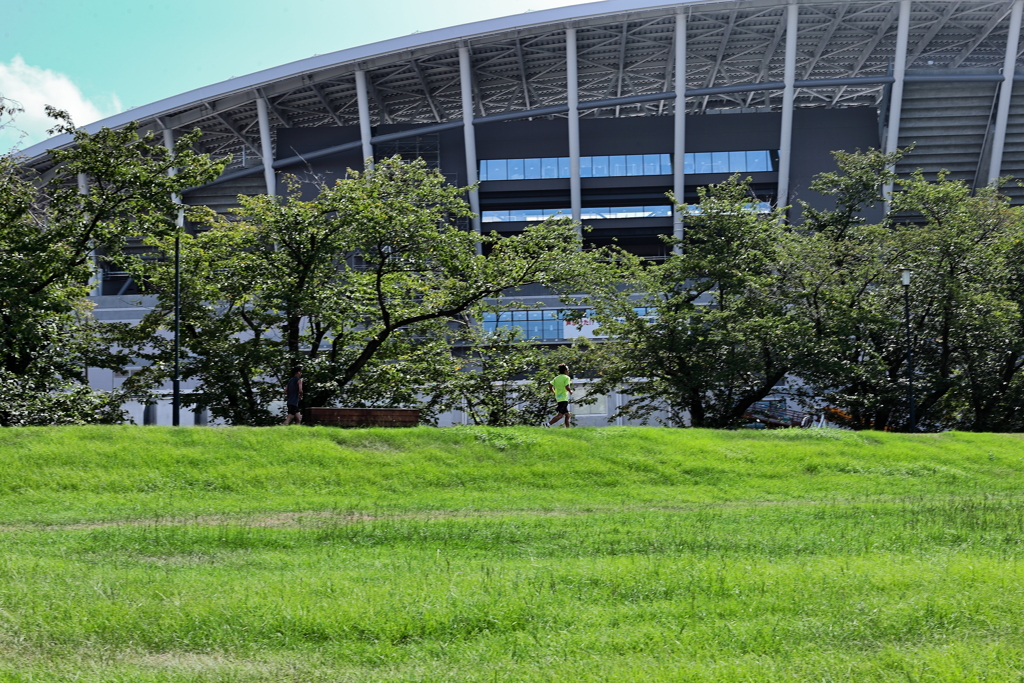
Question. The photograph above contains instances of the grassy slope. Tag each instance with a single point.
(152, 554)
(113, 473)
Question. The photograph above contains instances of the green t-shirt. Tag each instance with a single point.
(561, 384)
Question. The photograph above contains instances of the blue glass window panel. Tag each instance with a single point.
(758, 161)
(517, 214)
(635, 164)
(497, 169)
(660, 210)
(617, 165)
(504, 324)
(720, 162)
(483, 169)
(688, 163)
(519, 315)
(494, 216)
(702, 162)
(652, 164)
(534, 315)
(586, 168)
(666, 164)
(553, 329)
(515, 169)
(738, 162)
(550, 315)
(563, 167)
(490, 317)
(600, 167)
(534, 214)
(489, 327)
(532, 168)
(549, 167)
(535, 328)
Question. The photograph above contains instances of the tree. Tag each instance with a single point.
(843, 271)
(501, 379)
(359, 285)
(966, 304)
(707, 333)
(49, 234)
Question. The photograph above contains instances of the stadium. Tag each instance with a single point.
(596, 111)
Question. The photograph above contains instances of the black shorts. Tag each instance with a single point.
(563, 407)
(293, 409)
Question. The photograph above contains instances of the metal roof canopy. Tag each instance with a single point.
(734, 56)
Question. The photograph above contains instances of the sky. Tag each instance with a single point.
(96, 59)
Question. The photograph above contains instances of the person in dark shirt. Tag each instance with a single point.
(293, 392)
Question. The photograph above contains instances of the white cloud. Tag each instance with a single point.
(33, 88)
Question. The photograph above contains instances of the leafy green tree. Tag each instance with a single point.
(501, 379)
(843, 270)
(708, 332)
(49, 234)
(359, 285)
(963, 247)
(966, 304)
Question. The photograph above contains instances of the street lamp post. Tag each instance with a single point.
(906, 273)
(176, 381)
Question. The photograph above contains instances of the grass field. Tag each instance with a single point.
(474, 554)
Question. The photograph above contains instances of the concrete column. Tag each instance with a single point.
(786, 133)
(1003, 113)
(176, 198)
(363, 100)
(169, 144)
(573, 97)
(679, 130)
(266, 149)
(94, 277)
(466, 80)
(899, 72)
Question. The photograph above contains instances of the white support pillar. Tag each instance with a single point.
(573, 98)
(786, 132)
(899, 72)
(169, 144)
(466, 81)
(265, 147)
(679, 131)
(1003, 113)
(94, 278)
(365, 133)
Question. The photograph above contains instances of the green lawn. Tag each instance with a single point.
(472, 554)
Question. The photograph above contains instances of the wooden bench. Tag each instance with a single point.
(362, 417)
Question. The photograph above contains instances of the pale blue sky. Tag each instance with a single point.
(98, 58)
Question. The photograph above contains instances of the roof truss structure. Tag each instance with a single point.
(620, 54)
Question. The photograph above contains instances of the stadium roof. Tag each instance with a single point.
(735, 60)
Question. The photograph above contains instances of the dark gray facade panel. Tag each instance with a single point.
(524, 139)
(299, 141)
(816, 134)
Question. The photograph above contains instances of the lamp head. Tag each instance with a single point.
(906, 273)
